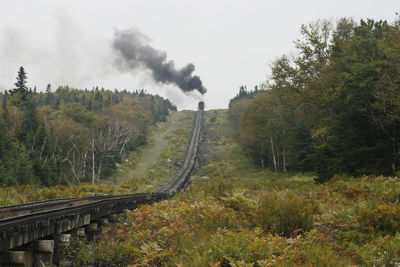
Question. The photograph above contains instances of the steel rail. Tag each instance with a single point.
(23, 223)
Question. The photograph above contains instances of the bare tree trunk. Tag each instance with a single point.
(394, 150)
(73, 170)
(283, 152)
(99, 171)
(73, 165)
(273, 154)
(123, 146)
(84, 165)
(262, 158)
(93, 162)
(284, 158)
(43, 146)
(278, 158)
(33, 142)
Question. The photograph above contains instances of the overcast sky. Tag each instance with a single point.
(231, 42)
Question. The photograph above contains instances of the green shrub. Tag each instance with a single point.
(78, 252)
(352, 190)
(383, 218)
(243, 248)
(311, 254)
(389, 251)
(110, 253)
(285, 214)
(239, 202)
(384, 251)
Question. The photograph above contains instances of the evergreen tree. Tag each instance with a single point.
(55, 146)
(18, 165)
(334, 108)
(23, 99)
(49, 96)
(20, 85)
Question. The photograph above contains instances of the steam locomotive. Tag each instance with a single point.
(201, 105)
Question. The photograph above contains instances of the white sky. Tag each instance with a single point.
(231, 42)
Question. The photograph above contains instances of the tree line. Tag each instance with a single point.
(71, 135)
(331, 108)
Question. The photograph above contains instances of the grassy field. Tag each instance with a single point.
(235, 214)
(158, 161)
(238, 215)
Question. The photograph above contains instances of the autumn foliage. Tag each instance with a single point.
(70, 135)
(332, 107)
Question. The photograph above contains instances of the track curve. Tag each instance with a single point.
(23, 223)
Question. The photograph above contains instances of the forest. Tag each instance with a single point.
(69, 135)
(302, 170)
(332, 107)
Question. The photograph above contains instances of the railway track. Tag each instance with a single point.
(21, 224)
(182, 176)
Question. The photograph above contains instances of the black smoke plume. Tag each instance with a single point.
(134, 52)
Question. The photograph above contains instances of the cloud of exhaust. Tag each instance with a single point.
(133, 52)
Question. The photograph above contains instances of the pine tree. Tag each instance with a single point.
(20, 85)
(49, 95)
(28, 107)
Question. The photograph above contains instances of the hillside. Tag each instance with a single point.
(142, 170)
(70, 136)
(156, 162)
(236, 214)
(301, 168)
